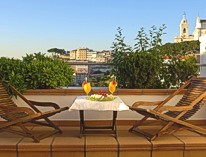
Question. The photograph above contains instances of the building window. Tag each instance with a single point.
(203, 24)
(184, 30)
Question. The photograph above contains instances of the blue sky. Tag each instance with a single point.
(30, 26)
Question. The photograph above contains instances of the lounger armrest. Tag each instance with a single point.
(45, 104)
(146, 103)
(175, 108)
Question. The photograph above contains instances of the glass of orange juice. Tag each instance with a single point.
(112, 86)
(87, 88)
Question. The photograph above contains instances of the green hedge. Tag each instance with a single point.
(35, 71)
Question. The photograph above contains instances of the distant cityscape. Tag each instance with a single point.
(89, 63)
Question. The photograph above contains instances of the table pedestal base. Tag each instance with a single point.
(110, 129)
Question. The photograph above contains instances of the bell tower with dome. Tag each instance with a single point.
(184, 31)
(184, 27)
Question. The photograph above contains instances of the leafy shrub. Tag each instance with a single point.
(36, 71)
(44, 72)
(138, 70)
(177, 70)
(11, 71)
(144, 66)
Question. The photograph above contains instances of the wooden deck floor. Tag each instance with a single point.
(68, 144)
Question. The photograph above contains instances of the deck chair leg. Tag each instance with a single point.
(163, 129)
(138, 123)
(29, 133)
(53, 125)
(175, 116)
(18, 116)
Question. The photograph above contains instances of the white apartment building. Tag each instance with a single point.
(85, 54)
(100, 57)
(103, 56)
(200, 29)
(91, 56)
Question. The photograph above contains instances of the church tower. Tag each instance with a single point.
(184, 31)
(184, 27)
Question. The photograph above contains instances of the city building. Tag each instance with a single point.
(73, 54)
(103, 56)
(200, 30)
(203, 56)
(88, 63)
(79, 54)
(91, 56)
(80, 71)
(85, 54)
(99, 70)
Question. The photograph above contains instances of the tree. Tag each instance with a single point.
(180, 63)
(153, 65)
(45, 72)
(153, 41)
(138, 67)
(36, 71)
(11, 70)
(119, 52)
(57, 51)
(183, 48)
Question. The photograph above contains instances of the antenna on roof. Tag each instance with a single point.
(184, 14)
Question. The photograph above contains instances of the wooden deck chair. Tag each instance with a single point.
(15, 119)
(174, 117)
